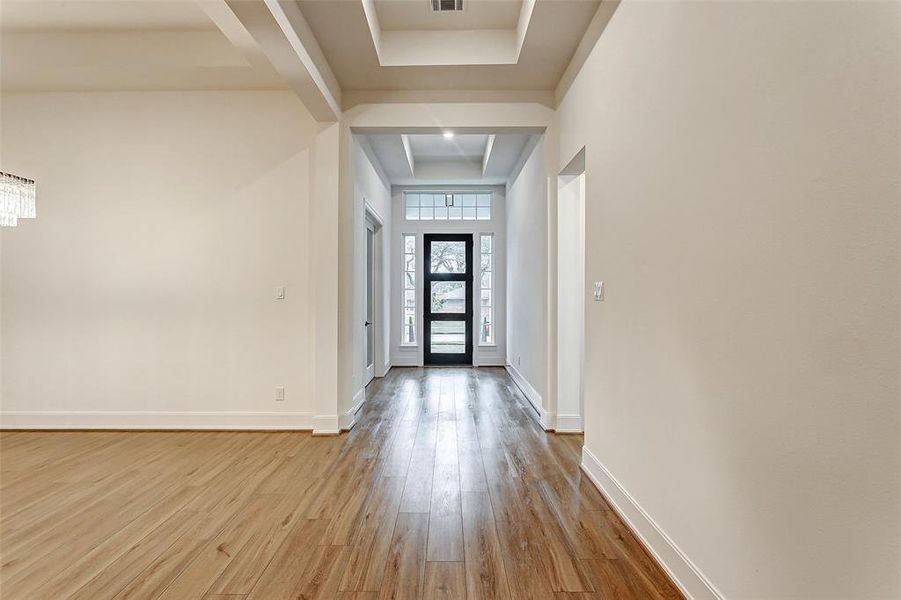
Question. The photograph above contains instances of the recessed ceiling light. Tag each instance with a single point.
(448, 135)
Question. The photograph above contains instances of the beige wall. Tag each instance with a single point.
(742, 377)
(144, 293)
(527, 274)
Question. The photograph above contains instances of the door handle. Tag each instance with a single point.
(367, 324)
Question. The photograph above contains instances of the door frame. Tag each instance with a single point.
(571, 295)
(372, 221)
(369, 303)
(427, 317)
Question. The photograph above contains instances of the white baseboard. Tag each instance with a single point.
(326, 425)
(406, 361)
(348, 419)
(545, 420)
(681, 570)
(569, 424)
(491, 362)
(156, 420)
(383, 370)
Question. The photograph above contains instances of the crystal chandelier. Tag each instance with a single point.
(16, 199)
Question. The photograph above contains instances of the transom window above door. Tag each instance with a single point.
(450, 206)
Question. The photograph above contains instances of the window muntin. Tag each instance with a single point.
(486, 291)
(408, 333)
(455, 206)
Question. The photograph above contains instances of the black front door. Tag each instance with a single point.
(448, 299)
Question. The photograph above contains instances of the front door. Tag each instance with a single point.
(447, 321)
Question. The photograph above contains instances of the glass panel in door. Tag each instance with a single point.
(448, 337)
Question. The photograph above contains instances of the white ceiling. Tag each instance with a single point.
(460, 160)
(399, 15)
(102, 15)
(101, 45)
(494, 49)
(427, 146)
(342, 31)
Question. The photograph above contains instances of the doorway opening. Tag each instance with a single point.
(447, 302)
(441, 185)
(571, 295)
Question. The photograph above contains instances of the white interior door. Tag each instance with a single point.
(369, 338)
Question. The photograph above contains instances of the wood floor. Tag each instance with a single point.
(444, 489)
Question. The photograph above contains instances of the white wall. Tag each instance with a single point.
(144, 292)
(370, 187)
(742, 376)
(527, 276)
(571, 298)
(487, 355)
(324, 253)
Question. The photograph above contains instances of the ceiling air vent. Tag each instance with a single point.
(447, 5)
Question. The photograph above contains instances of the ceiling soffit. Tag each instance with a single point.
(410, 159)
(446, 47)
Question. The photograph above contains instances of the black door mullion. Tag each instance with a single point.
(428, 316)
(447, 316)
(447, 276)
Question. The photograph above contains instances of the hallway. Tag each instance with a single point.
(444, 489)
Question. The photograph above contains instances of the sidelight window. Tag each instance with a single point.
(486, 290)
(408, 333)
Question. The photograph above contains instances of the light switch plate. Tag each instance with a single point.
(280, 292)
(598, 291)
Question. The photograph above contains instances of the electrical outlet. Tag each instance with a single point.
(280, 394)
(518, 361)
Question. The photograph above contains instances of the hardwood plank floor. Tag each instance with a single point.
(445, 488)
